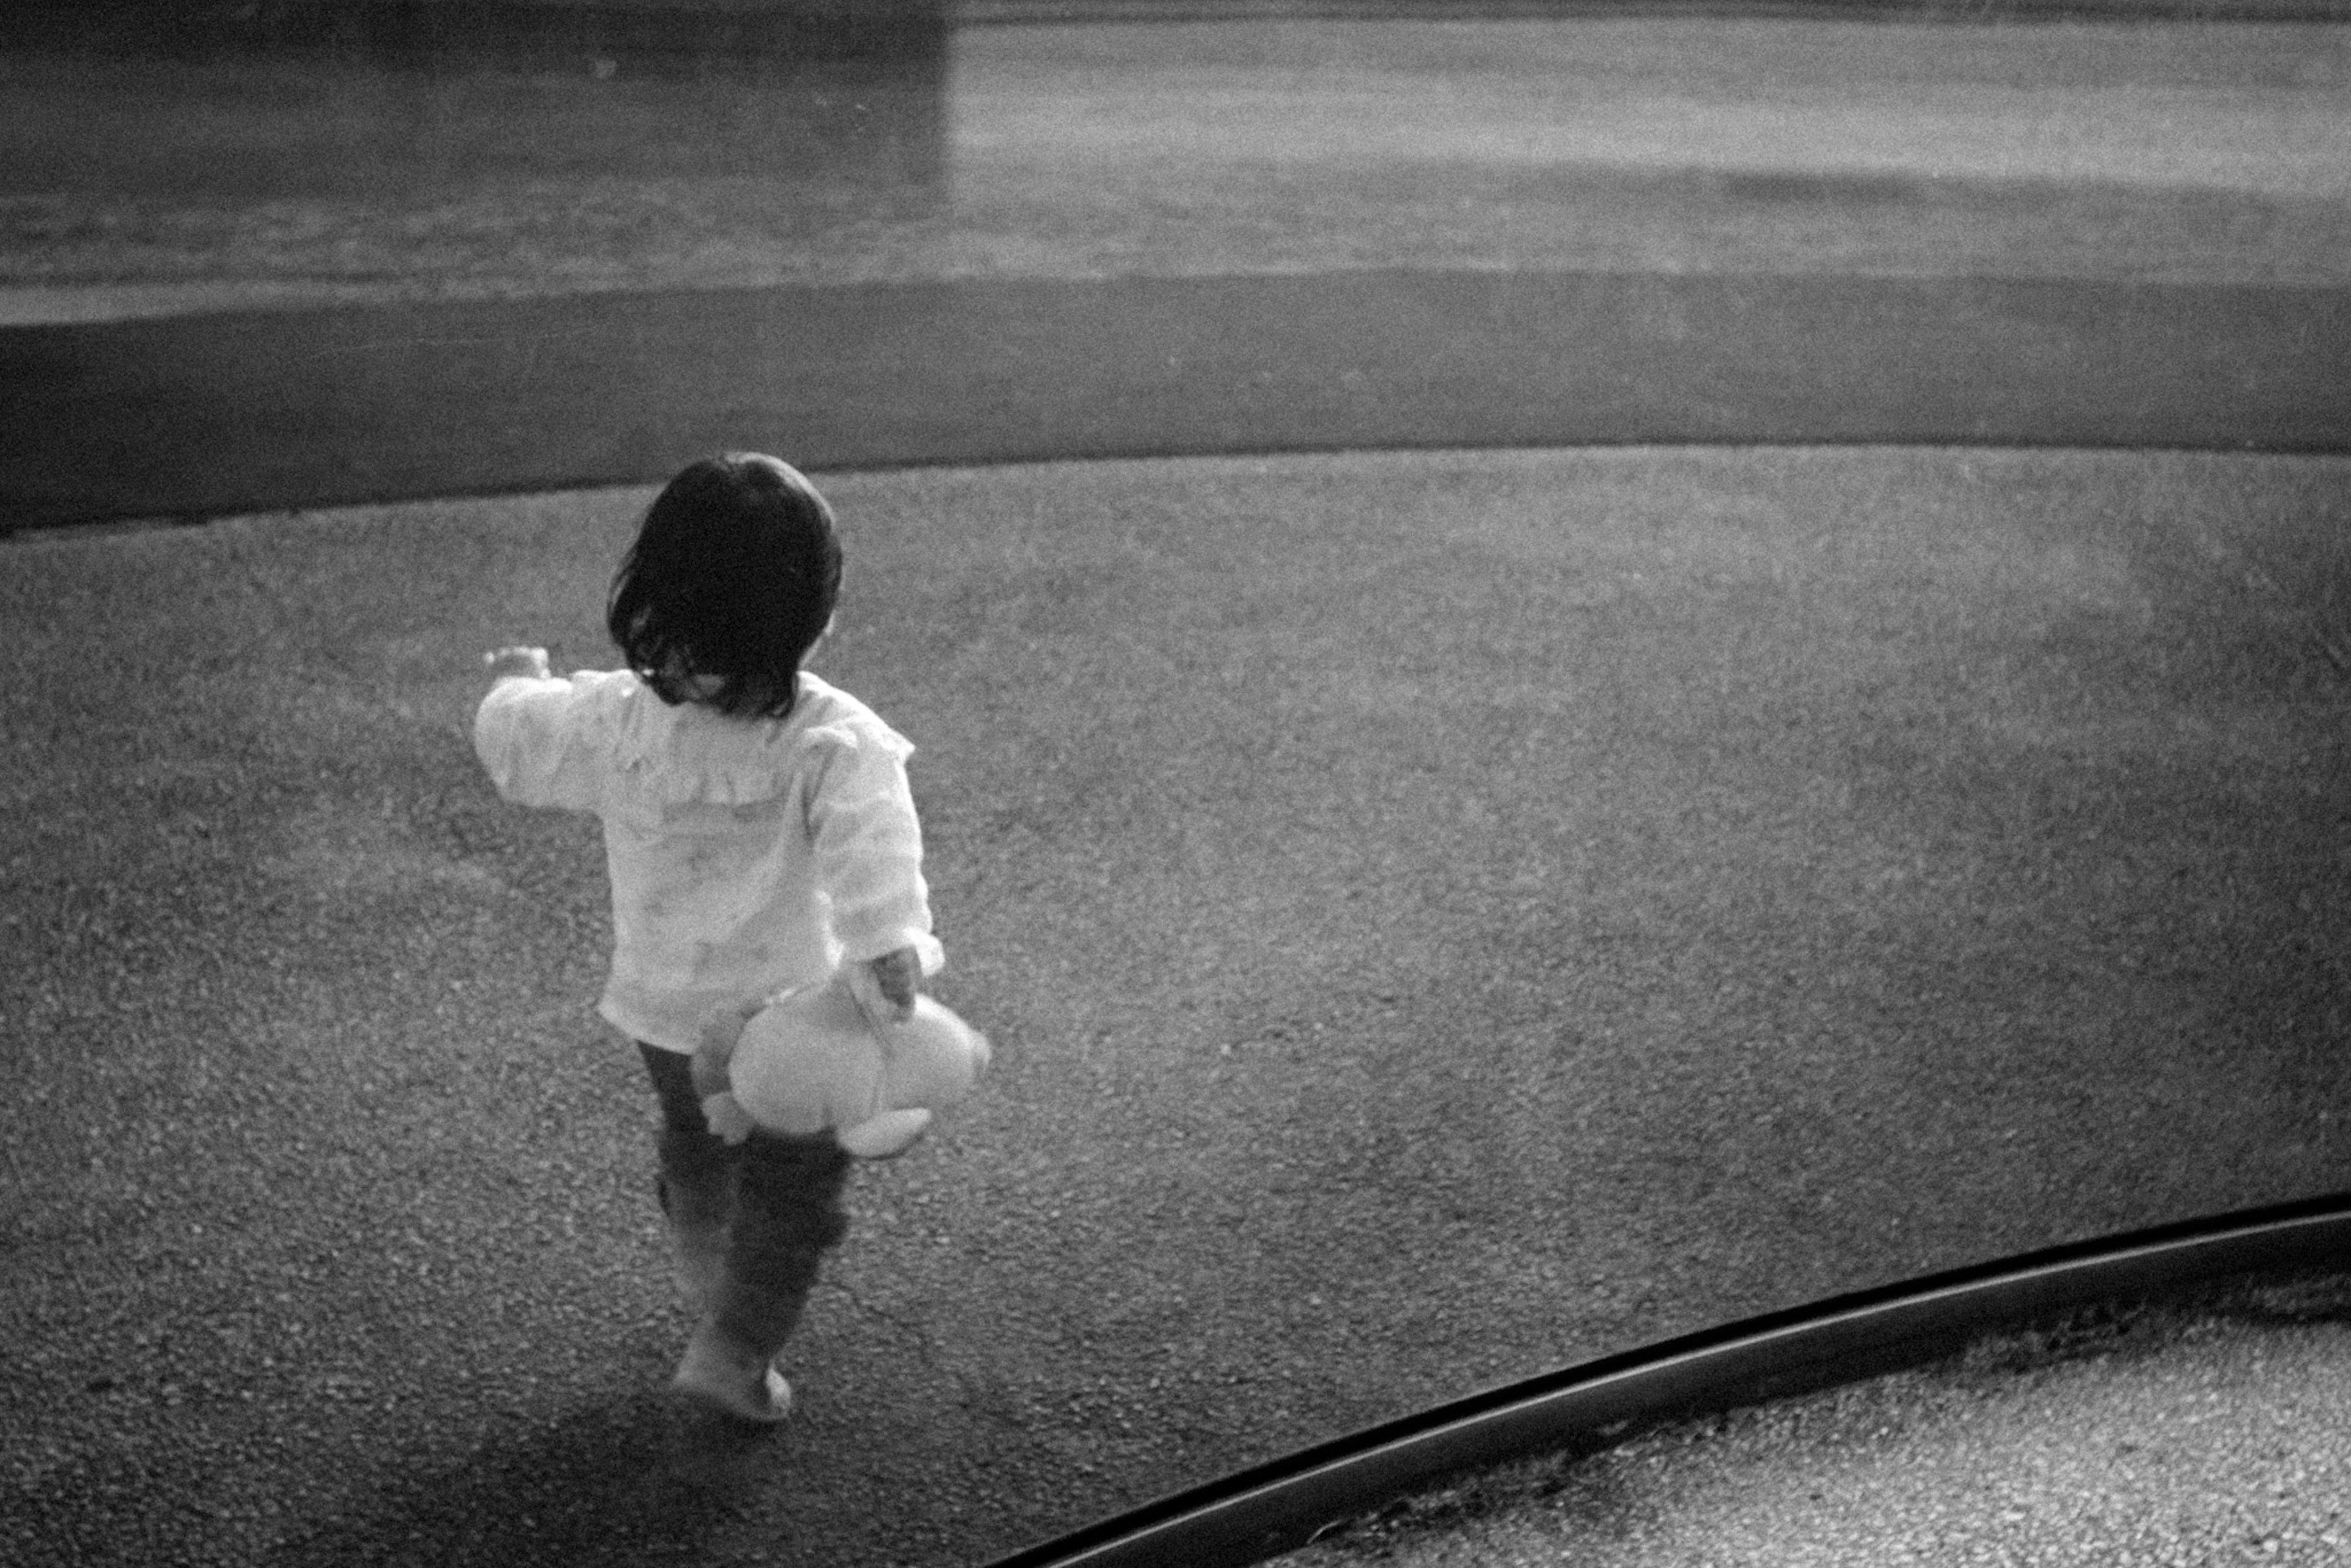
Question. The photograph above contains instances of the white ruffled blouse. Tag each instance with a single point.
(745, 854)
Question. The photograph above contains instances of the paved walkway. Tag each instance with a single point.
(1500, 908)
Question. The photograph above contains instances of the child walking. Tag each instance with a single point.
(759, 834)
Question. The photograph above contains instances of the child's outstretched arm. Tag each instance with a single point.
(527, 732)
(530, 663)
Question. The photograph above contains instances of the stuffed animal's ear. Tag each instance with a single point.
(936, 1058)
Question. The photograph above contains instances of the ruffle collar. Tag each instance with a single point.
(682, 754)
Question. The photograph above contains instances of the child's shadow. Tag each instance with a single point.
(641, 1482)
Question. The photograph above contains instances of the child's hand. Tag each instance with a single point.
(886, 987)
(727, 1117)
(721, 1031)
(507, 662)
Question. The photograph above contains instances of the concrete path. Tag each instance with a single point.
(2207, 1432)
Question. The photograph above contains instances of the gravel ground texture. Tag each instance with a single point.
(2176, 1437)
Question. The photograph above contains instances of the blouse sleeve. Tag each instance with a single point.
(534, 737)
(869, 844)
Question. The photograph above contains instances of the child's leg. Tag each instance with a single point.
(787, 1214)
(698, 1178)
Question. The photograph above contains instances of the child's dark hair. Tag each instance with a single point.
(731, 581)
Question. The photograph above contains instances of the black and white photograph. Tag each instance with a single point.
(1175, 783)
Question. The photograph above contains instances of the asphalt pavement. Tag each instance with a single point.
(1444, 917)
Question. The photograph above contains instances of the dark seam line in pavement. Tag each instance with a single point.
(260, 410)
(411, 343)
(1285, 1503)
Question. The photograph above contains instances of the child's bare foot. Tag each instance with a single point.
(721, 1375)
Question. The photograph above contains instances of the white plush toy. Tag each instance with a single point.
(818, 1058)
